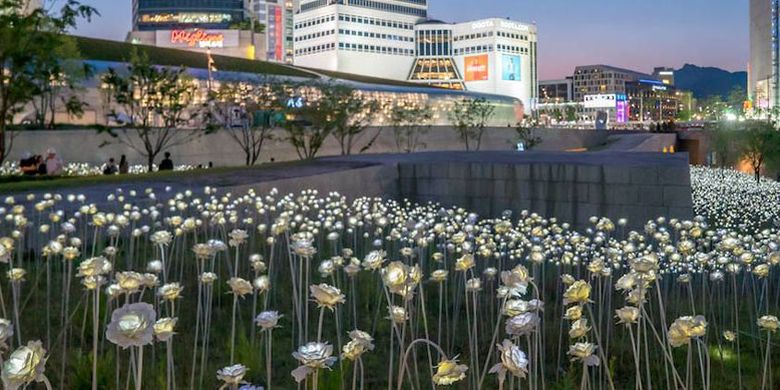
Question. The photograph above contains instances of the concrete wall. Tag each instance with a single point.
(221, 149)
(570, 191)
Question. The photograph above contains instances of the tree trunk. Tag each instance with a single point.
(150, 162)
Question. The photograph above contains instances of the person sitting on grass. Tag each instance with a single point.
(110, 168)
(166, 164)
(54, 164)
(28, 165)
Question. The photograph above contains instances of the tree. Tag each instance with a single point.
(725, 144)
(55, 78)
(736, 100)
(469, 117)
(245, 113)
(311, 115)
(761, 144)
(352, 115)
(27, 47)
(156, 103)
(410, 123)
(571, 114)
(526, 136)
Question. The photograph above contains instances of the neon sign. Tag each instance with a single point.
(197, 38)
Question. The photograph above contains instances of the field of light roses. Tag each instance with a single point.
(204, 289)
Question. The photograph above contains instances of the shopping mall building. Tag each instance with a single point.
(223, 27)
(395, 39)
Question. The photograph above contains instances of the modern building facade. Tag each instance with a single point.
(394, 39)
(370, 38)
(653, 101)
(664, 75)
(764, 68)
(603, 79)
(277, 17)
(220, 26)
(490, 55)
(152, 15)
(556, 91)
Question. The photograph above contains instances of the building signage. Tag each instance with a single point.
(185, 18)
(622, 111)
(602, 100)
(477, 68)
(507, 24)
(510, 68)
(197, 38)
(278, 36)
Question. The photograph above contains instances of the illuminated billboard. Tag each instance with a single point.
(185, 18)
(510, 68)
(197, 38)
(477, 68)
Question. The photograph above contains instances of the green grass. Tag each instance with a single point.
(18, 184)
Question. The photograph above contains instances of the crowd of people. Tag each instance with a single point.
(49, 164)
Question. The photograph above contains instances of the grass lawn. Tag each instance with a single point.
(20, 184)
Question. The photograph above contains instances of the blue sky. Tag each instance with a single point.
(637, 34)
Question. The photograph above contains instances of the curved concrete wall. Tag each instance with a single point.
(219, 148)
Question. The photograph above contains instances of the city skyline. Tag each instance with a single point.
(670, 33)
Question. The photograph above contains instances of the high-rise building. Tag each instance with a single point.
(152, 15)
(394, 39)
(277, 17)
(490, 55)
(764, 68)
(220, 26)
(365, 37)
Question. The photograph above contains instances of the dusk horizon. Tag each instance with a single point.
(670, 34)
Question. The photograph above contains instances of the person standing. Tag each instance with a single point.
(166, 164)
(124, 167)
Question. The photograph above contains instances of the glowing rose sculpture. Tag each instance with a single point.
(448, 371)
(132, 325)
(513, 361)
(312, 356)
(25, 365)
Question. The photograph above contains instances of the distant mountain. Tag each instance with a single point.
(705, 82)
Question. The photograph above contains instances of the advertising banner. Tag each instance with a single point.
(197, 38)
(510, 68)
(477, 68)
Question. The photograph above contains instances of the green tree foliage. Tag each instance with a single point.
(470, 117)
(29, 50)
(309, 125)
(760, 145)
(725, 143)
(527, 136)
(245, 112)
(409, 124)
(736, 100)
(156, 104)
(58, 82)
(352, 115)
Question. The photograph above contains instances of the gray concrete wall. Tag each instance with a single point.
(86, 145)
(571, 192)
